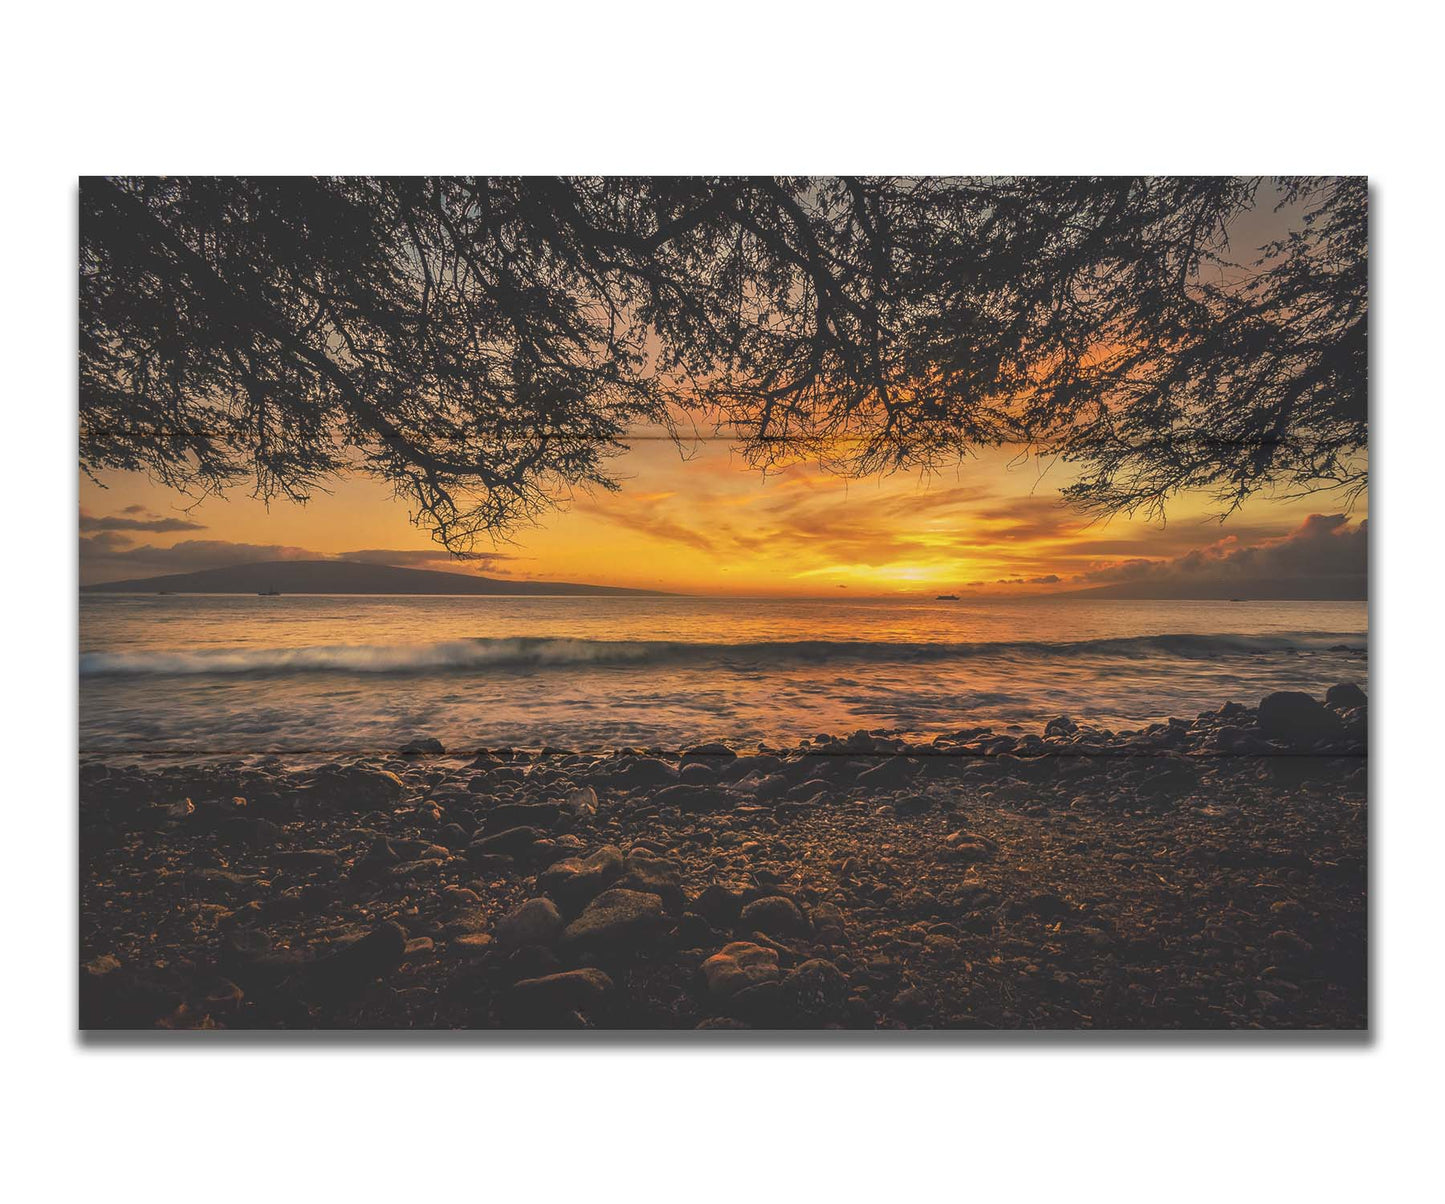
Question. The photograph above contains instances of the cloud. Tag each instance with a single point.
(114, 522)
(643, 515)
(1324, 557)
(428, 558)
(106, 553)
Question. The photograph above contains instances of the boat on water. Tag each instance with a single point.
(268, 593)
(946, 598)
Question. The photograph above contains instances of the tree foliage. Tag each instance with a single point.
(487, 344)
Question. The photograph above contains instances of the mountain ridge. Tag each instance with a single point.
(348, 577)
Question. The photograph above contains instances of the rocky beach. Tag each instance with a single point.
(1205, 872)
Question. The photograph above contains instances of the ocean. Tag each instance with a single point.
(210, 675)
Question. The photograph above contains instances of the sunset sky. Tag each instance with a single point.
(709, 524)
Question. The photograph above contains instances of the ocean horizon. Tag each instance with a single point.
(231, 674)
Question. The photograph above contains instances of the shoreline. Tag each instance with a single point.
(1205, 873)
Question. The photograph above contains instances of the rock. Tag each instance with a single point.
(889, 773)
(718, 904)
(1047, 905)
(774, 916)
(654, 876)
(471, 944)
(409, 871)
(520, 815)
(968, 846)
(247, 832)
(351, 969)
(573, 990)
(582, 802)
(575, 881)
(815, 992)
(1345, 696)
(1289, 943)
(914, 804)
(698, 773)
(426, 746)
(692, 798)
(911, 1004)
(647, 771)
(1296, 718)
(310, 861)
(737, 966)
(357, 786)
(616, 920)
(535, 922)
(113, 997)
(1062, 726)
(713, 750)
(458, 897)
(454, 836)
(378, 859)
(828, 924)
(511, 843)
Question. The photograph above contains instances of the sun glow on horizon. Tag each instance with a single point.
(702, 524)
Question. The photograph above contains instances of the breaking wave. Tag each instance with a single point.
(482, 654)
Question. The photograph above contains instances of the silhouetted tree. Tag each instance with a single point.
(486, 345)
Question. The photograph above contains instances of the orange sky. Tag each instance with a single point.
(705, 524)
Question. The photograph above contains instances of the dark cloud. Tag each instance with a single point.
(429, 558)
(114, 522)
(1325, 557)
(103, 544)
(105, 557)
(113, 556)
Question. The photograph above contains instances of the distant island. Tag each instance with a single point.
(344, 577)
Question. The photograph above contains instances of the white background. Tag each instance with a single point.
(738, 86)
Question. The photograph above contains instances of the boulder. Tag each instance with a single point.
(582, 802)
(535, 922)
(648, 771)
(519, 815)
(1297, 719)
(576, 881)
(617, 920)
(815, 992)
(424, 746)
(889, 773)
(718, 904)
(1345, 696)
(510, 843)
(357, 786)
(654, 876)
(737, 966)
(349, 970)
(775, 916)
(687, 797)
(569, 991)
